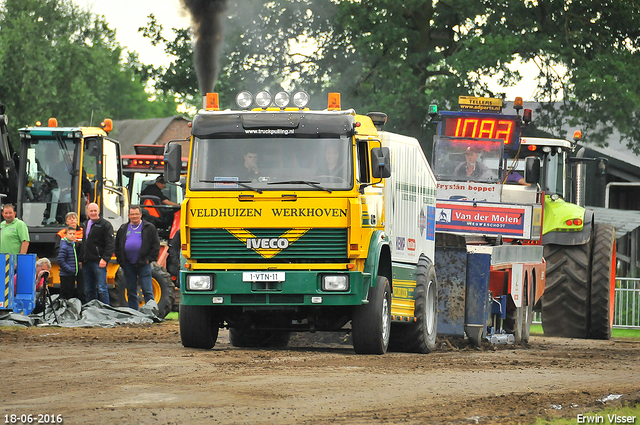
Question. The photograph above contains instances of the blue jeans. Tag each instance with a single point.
(131, 274)
(95, 281)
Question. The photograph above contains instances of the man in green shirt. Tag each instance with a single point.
(14, 234)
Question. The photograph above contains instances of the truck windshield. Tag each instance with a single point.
(48, 194)
(261, 163)
(464, 159)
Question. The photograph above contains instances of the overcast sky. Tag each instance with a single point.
(126, 16)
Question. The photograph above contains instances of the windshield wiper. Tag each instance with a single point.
(307, 182)
(242, 183)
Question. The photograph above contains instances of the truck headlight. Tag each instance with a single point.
(301, 99)
(335, 283)
(263, 99)
(244, 99)
(199, 283)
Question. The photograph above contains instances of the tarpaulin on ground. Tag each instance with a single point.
(72, 314)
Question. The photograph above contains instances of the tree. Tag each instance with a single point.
(401, 56)
(56, 60)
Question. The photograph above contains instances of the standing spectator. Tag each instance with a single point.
(68, 262)
(14, 236)
(98, 248)
(71, 220)
(137, 246)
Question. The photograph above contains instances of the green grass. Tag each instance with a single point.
(615, 333)
(621, 411)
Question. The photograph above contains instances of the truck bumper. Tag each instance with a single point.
(299, 288)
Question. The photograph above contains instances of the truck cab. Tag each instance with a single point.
(287, 225)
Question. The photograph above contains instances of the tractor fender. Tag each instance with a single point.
(572, 238)
(378, 261)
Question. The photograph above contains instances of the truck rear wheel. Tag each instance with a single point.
(419, 336)
(198, 327)
(565, 303)
(163, 290)
(371, 323)
(602, 282)
(247, 338)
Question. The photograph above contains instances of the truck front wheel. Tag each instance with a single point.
(198, 327)
(602, 281)
(371, 323)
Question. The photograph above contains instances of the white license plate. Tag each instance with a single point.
(263, 277)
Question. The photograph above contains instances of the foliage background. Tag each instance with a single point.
(382, 55)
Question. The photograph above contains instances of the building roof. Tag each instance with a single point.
(146, 132)
(624, 221)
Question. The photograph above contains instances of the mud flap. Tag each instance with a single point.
(463, 288)
(451, 269)
(478, 301)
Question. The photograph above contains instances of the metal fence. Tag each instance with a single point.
(626, 312)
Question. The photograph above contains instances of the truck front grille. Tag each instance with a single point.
(311, 246)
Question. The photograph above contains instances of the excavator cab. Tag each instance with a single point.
(62, 170)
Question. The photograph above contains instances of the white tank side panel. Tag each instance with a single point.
(410, 200)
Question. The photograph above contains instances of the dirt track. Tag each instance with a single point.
(143, 375)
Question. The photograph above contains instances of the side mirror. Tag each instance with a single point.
(172, 162)
(532, 170)
(380, 163)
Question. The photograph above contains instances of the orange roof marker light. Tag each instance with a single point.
(212, 102)
(334, 102)
(107, 125)
(53, 122)
(517, 104)
(577, 135)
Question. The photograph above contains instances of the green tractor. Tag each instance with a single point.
(580, 252)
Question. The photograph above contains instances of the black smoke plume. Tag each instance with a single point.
(207, 21)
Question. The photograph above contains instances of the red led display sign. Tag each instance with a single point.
(480, 128)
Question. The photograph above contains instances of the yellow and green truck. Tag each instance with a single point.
(301, 220)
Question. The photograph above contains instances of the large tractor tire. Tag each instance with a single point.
(419, 336)
(371, 323)
(602, 282)
(249, 338)
(565, 303)
(163, 290)
(198, 326)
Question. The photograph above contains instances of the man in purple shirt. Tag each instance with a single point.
(515, 177)
(137, 246)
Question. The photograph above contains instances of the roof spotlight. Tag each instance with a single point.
(244, 99)
(301, 99)
(281, 99)
(263, 99)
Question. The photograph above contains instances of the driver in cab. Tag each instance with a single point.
(472, 168)
(156, 190)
